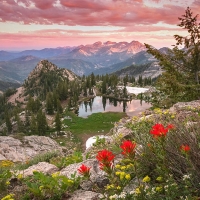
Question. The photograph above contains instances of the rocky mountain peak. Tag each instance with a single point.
(45, 66)
(97, 44)
(109, 43)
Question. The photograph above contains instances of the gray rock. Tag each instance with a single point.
(30, 146)
(85, 195)
(184, 105)
(43, 167)
(2, 157)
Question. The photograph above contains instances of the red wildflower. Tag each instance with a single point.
(105, 158)
(170, 126)
(185, 148)
(84, 170)
(158, 130)
(128, 148)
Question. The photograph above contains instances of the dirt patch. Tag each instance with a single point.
(17, 97)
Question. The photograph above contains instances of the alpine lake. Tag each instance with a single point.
(102, 104)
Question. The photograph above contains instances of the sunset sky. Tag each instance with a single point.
(38, 24)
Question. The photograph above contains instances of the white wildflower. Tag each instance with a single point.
(186, 176)
(122, 195)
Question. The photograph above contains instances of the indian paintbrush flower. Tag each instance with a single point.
(185, 148)
(158, 130)
(84, 170)
(105, 159)
(128, 148)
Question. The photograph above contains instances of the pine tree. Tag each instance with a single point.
(58, 124)
(33, 125)
(41, 123)
(103, 88)
(93, 79)
(8, 123)
(20, 127)
(49, 104)
(59, 107)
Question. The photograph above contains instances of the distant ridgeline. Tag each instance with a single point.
(6, 85)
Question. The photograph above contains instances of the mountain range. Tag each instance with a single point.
(99, 58)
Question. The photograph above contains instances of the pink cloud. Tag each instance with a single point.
(131, 15)
(88, 12)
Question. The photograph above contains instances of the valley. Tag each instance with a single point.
(40, 104)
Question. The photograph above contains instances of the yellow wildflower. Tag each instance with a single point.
(118, 166)
(41, 187)
(8, 197)
(166, 112)
(110, 187)
(158, 111)
(137, 191)
(172, 116)
(122, 175)
(146, 179)
(7, 182)
(123, 167)
(159, 178)
(128, 177)
(70, 181)
(129, 166)
(119, 188)
(117, 173)
(158, 189)
(19, 176)
(56, 174)
(6, 163)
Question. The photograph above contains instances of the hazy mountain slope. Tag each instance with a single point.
(5, 85)
(138, 59)
(77, 66)
(152, 70)
(47, 52)
(17, 70)
(43, 53)
(5, 55)
(8, 75)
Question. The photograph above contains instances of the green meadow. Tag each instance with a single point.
(95, 124)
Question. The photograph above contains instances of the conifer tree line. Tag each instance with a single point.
(181, 78)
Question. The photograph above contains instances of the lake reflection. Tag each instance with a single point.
(102, 104)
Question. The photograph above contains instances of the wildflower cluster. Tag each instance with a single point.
(105, 159)
(6, 163)
(158, 130)
(52, 187)
(158, 184)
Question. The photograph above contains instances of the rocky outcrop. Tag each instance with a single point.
(180, 106)
(21, 150)
(43, 167)
(85, 195)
